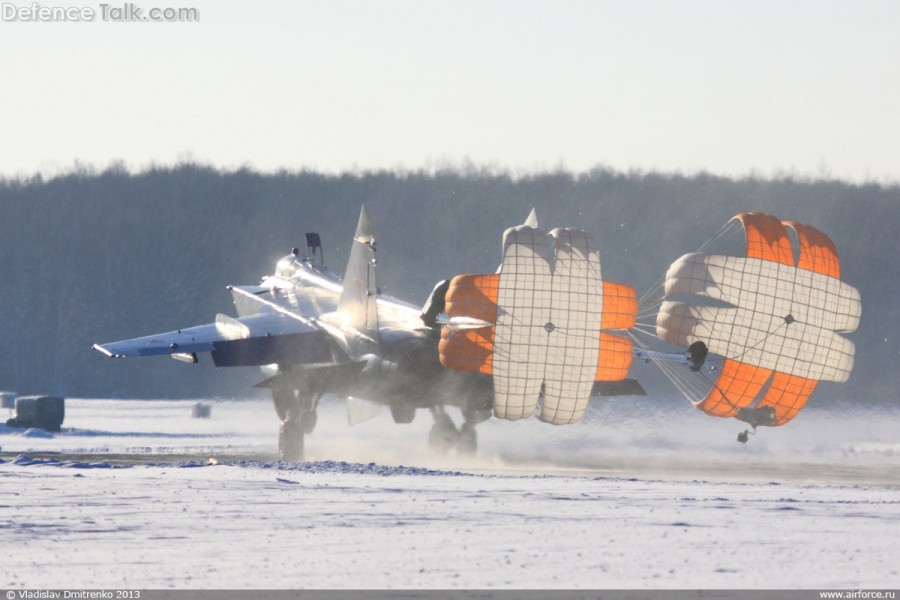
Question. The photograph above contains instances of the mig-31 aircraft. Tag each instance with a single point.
(529, 339)
(542, 335)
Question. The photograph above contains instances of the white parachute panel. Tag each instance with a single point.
(523, 308)
(573, 329)
(777, 316)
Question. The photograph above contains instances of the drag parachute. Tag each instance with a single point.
(535, 326)
(775, 319)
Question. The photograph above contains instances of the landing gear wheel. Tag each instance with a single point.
(443, 434)
(285, 402)
(308, 421)
(403, 414)
(468, 440)
(290, 441)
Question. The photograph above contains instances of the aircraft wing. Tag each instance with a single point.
(263, 338)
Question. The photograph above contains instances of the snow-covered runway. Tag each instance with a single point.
(817, 506)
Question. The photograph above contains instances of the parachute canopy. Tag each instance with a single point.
(535, 326)
(775, 319)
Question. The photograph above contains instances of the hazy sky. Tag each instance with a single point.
(730, 87)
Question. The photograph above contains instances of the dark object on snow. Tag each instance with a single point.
(7, 400)
(44, 412)
(201, 411)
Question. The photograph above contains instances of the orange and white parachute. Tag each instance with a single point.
(776, 319)
(536, 325)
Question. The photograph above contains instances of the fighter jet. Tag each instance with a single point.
(532, 334)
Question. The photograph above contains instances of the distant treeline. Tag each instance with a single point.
(100, 256)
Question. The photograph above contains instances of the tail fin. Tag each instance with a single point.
(357, 305)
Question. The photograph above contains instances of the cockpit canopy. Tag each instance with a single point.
(291, 266)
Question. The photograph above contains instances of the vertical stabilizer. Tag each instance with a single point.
(357, 306)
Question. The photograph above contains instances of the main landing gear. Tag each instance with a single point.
(297, 410)
(444, 434)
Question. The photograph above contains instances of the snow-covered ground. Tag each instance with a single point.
(638, 496)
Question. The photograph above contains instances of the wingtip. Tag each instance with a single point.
(103, 350)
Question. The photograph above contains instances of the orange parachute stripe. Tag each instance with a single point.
(817, 252)
(619, 307)
(467, 349)
(766, 238)
(473, 296)
(614, 358)
(787, 394)
(737, 386)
